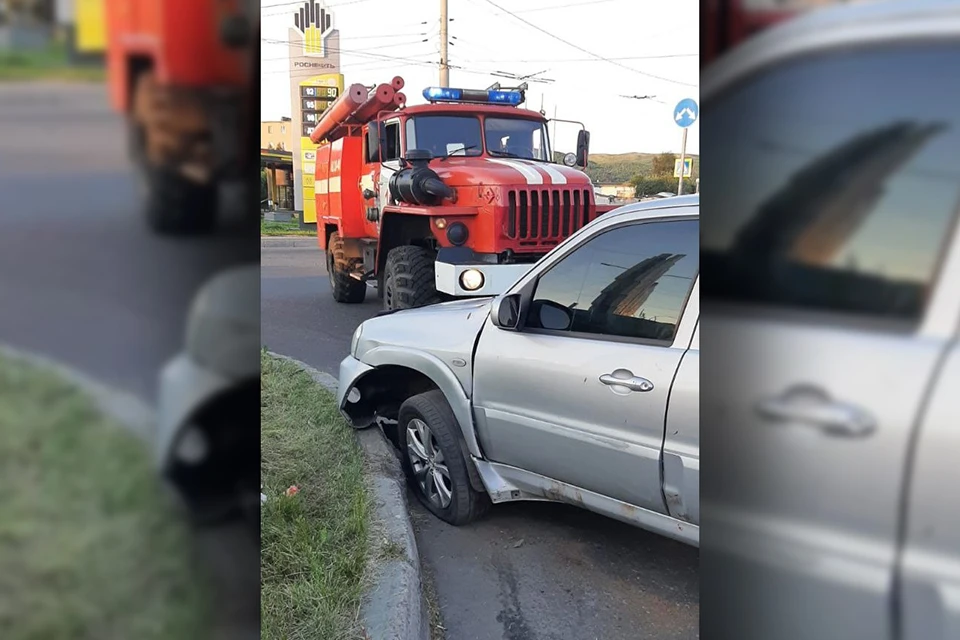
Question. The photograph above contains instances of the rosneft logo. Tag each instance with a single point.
(316, 25)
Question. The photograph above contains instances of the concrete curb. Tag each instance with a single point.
(394, 607)
(120, 406)
(287, 241)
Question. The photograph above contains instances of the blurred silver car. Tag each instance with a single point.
(832, 306)
(580, 384)
(208, 437)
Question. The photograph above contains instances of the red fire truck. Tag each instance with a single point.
(179, 71)
(729, 22)
(453, 198)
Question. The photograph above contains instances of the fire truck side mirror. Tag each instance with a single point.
(373, 142)
(583, 148)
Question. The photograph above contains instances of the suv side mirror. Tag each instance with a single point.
(373, 142)
(583, 148)
(505, 312)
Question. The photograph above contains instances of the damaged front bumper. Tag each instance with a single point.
(184, 388)
(348, 396)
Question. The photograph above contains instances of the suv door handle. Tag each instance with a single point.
(626, 379)
(813, 407)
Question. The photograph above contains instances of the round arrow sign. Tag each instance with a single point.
(686, 112)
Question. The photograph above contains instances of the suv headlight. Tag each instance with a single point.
(355, 341)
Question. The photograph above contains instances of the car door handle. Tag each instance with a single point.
(630, 381)
(810, 406)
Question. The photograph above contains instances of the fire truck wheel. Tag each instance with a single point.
(408, 279)
(178, 206)
(136, 143)
(345, 288)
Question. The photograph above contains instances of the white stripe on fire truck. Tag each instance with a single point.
(531, 175)
(321, 186)
(556, 177)
(335, 184)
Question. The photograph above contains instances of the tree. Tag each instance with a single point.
(647, 186)
(663, 164)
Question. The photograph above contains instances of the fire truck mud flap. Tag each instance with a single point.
(462, 273)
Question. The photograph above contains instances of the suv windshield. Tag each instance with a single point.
(445, 135)
(516, 138)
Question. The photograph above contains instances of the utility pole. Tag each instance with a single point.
(553, 140)
(444, 37)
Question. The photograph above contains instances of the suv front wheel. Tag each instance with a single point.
(433, 460)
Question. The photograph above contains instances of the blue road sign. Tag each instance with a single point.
(686, 112)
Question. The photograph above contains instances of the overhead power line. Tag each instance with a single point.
(654, 57)
(280, 5)
(586, 51)
(349, 51)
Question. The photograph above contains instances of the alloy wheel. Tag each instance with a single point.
(429, 466)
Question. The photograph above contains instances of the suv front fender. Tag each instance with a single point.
(439, 373)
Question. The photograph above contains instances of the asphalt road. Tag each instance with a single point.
(83, 281)
(528, 571)
(81, 277)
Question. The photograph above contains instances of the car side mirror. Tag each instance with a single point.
(505, 312)
(373, 142)
(583, 148)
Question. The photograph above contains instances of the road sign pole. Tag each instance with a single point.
(685, 114)
(683, 164)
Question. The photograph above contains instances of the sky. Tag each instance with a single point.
(651, 48)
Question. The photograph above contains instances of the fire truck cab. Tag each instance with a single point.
(453, 198)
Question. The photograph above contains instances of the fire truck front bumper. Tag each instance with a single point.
(463, 273)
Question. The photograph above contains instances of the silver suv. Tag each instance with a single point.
(580, 384)
(833, 291)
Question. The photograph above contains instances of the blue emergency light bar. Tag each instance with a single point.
(491, 96)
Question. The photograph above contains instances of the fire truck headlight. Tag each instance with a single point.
(570, 159)
(457, 233)
(471, 279)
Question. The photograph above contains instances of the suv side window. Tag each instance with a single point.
(392, 135)
(629, 282)
(837, 184)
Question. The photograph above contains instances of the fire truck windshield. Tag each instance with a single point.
(445, 135)
(516, 138)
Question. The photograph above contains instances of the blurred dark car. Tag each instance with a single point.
(831, 303)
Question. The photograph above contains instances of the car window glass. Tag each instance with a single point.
(837, 182)
(628, 282)
(392, 151)
(447, 135)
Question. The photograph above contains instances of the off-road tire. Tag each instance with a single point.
(344, 287)
(136, 143)
(409, 278)
(175, 205)
(467, 504)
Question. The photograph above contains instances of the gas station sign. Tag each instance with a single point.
(316, 95)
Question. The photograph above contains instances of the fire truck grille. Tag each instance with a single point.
(538, 217)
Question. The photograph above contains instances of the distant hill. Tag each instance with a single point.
(619, 168)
